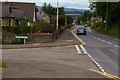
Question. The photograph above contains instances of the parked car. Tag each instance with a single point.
(81, 30)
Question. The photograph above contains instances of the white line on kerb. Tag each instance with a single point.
(78, 49)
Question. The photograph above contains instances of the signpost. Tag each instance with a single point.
(22, 37)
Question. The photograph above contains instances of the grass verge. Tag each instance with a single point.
(3, 65)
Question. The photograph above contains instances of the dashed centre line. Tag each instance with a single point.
(109, 42)
(117, 46)
(105, 41)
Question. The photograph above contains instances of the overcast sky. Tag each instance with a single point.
(80, 4)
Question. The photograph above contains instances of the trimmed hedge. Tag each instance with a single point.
(17, 29)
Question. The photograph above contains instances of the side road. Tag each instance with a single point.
(65, 39)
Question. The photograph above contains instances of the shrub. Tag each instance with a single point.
(17, 41)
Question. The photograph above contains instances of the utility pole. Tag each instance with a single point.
(106, 17)
(57, 18)
(57, 14)
(66, 16)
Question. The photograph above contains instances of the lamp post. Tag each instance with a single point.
(66, 16)
(57, 18)
(57, 14)
(106, 18)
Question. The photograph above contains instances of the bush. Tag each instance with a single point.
(17, 41)
(17, 29)
(113, 30)
(44, 27)
(99, 26)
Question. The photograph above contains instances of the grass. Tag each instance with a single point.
(3, 65)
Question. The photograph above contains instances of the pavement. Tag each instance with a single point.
(48, 62)
(65, 39)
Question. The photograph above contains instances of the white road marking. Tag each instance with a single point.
(109, 42)
(107, 37)
(98, 38)
(97, 64)
(78, 49)
(117, 46)
(83, 49)
(103, 40)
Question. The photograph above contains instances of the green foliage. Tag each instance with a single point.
(50, 10)
(114, 30)
(17, 41)
(78, 20)
(99, 26)
(3, 65)
(69, 20)
(61, 20)
(44, 27)
(17, 29)
(113, 9)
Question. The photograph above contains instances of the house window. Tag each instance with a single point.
(17, 22)
(9, 22)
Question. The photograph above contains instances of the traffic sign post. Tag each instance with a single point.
(22, 37)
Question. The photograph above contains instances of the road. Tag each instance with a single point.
(48, 62)
(104, 50)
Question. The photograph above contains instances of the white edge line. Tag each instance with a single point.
(78, 49)
(96, 63)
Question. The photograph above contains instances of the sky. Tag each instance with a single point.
(78, 4)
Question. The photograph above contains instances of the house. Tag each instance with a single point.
(0, 14)
(42, 16)
(14, 12)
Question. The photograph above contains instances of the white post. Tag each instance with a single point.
(24, 40)
(57, 13)
(66, 16)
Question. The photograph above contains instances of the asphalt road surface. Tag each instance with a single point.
(54, 62)
(103, 49)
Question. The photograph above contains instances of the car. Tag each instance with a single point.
(86, 25)
(81, 30)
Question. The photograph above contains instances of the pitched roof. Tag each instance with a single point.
(18, 10)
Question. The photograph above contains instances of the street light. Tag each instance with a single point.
(106, 17)
(66, 16)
